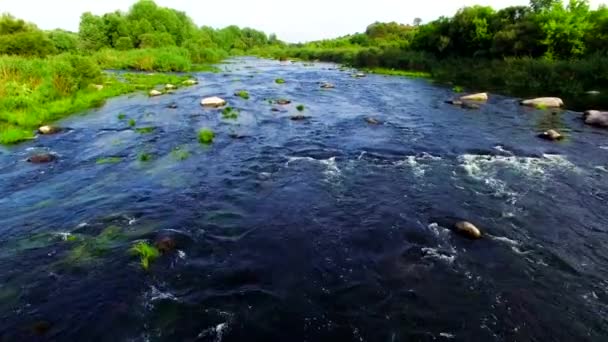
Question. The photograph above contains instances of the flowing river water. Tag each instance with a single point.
(324, 229)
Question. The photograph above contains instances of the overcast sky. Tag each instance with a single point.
(292, 21)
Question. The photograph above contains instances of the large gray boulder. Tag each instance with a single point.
(468, 229)
(546, 102)
(596, 118)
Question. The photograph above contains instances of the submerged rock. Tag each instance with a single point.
(469, 105)
(592, 92)
(475, 97)
(454, 102)
(46, 129)
(282, 102)
(190, 82)
(155, 92)
(551, 134)
(41, 327)
(172, 105)
(170, 87)
(372, 121)
(41, 158)
(275, 109)
(298, 117)
(547, 102)
(468, 229)
(359, 75)
(165, 244)
(596, 118)
(214, 102)
(327, 85)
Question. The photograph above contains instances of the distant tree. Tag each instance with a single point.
(92, 32)
(64, 41)
(417, 21)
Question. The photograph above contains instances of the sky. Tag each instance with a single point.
(292, 21)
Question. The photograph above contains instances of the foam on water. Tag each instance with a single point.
(418, 163)
(330, 164)
(445, 251)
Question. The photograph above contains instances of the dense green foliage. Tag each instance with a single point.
(544, 48)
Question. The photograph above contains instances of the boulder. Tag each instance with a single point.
(359, 75)
(41, 158)
(596, 118)
(190, 82)
(547, 102)
(214, 102)
(475, 97)
(372, 121)
(551, 134)
(46, 129)
(155, 92)
(170, 86)
(327, 85)
(468, 229)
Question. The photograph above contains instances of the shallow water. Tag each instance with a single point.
(327, 229)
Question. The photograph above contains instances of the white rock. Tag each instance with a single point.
(97, 86)
(190, 82)
(475, 97)
(170, 86)
(548, 102)
(155, 92)
(46, 129)
(214, 102)
(596, 118)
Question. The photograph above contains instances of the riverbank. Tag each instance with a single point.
(39, 91)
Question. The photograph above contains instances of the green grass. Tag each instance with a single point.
(243, 94)
(146, 253)
(279, 81)
(38, 91)
(163, 60)
(206, 136)
(300, 108)
(108, 160)
(395, 72)
(230, 113)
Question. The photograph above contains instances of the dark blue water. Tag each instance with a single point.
(326, 229)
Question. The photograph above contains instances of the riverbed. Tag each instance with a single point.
(327, 228)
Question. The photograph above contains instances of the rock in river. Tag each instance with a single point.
(282, 102)
(596, 118)
(475, 97)
(551, 134)
(298, 117)
(327, 85)
(165, 244)
(170, 87)
(190, 82)
(359, 75)
(214, 102)
(547, 102)
(155, 92)
(46, 129)
(372, 121)
(468, 229)
(41, 158)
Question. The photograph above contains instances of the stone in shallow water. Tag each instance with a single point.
(165, 244)
(551, 134)
(327, 85)
(155, 92)
(468, 229)
(48, 129)
(283, 102)
(214, 102)
(372, 121)
(475, 97)
(190, 82)
(596, 118)
(41, 158)
(170, 87)
(548, 102)
(298, 117)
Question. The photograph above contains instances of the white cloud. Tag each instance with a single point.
(291, 20)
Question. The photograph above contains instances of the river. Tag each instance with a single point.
(322, 229)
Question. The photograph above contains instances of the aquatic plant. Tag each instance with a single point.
(230, 113)
(180, 154)
(132, 123)
(279, 81)
(144, 157)
(108, 160)
(457, 89)
(540, 106)
(206, 136)
(243, 94)
(300, 108)
(121, 116)
(146, 252)
(145, 130)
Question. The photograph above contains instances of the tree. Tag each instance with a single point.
(92, 32)
(417, 21)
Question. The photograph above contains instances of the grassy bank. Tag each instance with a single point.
(37, 91)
